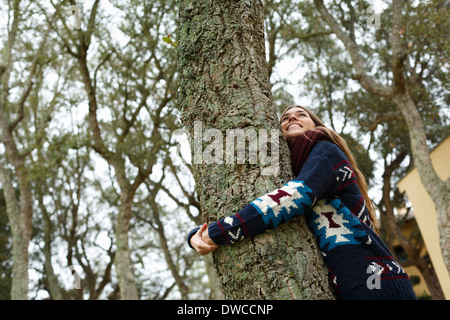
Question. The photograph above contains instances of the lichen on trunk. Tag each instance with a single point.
(224, 85)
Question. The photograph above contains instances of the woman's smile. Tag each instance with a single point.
(295, 122)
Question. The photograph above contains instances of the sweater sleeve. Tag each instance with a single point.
(190, 234)
(315, 180)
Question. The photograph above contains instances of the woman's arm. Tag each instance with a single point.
(315, 180)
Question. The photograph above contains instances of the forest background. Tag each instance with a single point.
(90, 160)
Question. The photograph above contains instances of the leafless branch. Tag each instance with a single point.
(361, 74)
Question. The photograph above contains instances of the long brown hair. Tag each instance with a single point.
(340, 142)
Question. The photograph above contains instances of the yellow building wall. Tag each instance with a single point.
(421, 288)
(425, 211)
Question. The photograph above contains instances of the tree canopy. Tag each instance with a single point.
(92, 182)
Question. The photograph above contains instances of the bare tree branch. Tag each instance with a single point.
(398, 48)
(361, 74)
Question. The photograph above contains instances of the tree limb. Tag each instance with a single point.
(398, 48)
(384, 118)
(366, 81)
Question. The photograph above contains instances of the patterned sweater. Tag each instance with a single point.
(326, 192)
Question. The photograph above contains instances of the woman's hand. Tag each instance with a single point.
(201, 241)
(207, 239)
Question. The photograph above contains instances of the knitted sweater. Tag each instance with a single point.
(326, 192)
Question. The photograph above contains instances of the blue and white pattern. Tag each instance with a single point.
(233, 235)
(285, 203)
(340, 221)
(334, 225)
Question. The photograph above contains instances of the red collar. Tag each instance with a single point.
(303, 145)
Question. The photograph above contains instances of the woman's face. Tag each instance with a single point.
(295, 122)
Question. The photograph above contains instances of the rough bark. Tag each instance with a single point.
(214, 284)
(224, 84)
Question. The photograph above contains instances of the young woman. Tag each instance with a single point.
(331, 192)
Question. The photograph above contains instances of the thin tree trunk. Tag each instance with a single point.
(122, 259)
(214, 285)
(56, 293)
(19, 210)
(224, 85)
(390, 224)
(184, 289)
(438, 190)
(19, 215)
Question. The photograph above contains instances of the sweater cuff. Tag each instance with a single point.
(193, 231)
(248, 222)
(217, 233)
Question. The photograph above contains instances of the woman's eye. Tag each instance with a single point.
(297, 115)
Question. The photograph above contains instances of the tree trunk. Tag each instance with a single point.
(55, 290)
(223, 85)
(19, 216)
(411, 250)
(19, 210)
(183, 288)
(438, 190)
(122, 259)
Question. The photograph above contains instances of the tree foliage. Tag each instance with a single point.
(92, 182)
